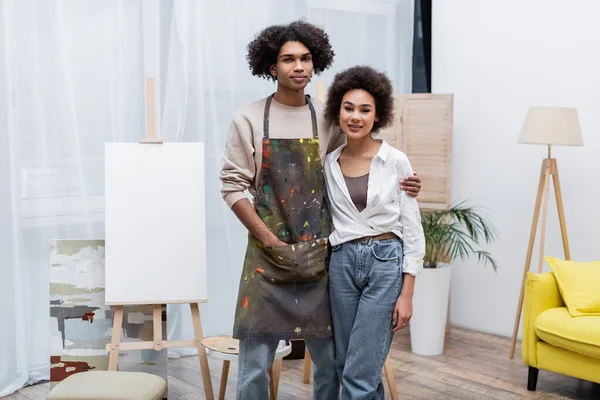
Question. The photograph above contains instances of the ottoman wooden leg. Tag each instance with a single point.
(224, 376)
(389, 375)
(113, 359)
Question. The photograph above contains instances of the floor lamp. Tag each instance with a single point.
(550, 126)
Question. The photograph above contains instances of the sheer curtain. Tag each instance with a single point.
(72, 77)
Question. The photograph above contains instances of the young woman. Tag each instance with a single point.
(377, 240)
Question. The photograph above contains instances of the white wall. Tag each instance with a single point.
(499, 58)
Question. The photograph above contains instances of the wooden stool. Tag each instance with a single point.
(110, 385)
(387, 369)
(227, 348)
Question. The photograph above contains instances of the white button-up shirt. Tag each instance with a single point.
(389, 209)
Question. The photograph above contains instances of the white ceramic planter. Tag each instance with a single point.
(430, 311)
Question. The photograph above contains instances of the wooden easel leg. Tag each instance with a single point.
(389, 376)
(536, 214)
(157, 324)
(307, 365)
(561, 210)
(113, 359)
(224, 376)
(208, 389)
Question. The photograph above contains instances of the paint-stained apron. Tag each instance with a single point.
(283, 292)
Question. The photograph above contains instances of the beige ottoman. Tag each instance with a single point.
(109, 385)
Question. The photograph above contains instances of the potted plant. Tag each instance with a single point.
(453, 233)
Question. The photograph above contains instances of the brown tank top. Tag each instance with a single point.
(357, 187)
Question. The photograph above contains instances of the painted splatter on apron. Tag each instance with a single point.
(283, 291)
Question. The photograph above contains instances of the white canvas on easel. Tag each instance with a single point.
(155, 223)
(155, 235)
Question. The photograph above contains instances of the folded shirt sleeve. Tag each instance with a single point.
(412, 229)
(239, 168)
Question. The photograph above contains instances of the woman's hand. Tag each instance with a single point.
(402, 311)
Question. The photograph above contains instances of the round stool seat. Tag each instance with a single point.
(109, 385)
(227, 348)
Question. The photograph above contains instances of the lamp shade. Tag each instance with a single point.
(552, 126)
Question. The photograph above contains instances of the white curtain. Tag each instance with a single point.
(72, 77)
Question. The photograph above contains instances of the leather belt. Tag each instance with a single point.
(383, 236)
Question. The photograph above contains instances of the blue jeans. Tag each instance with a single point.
(365, 280)
(256, 357)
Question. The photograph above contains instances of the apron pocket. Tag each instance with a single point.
(293, 263)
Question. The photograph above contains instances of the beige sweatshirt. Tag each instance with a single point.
(243, 151)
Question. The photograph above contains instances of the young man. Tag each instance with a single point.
(275, 149)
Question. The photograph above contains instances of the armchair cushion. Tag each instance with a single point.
(578, 284)
(557, 327)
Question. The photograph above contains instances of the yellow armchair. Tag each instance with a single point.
(552, 339)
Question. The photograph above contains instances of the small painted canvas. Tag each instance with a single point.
(81, 323)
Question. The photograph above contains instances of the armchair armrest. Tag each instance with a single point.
(541, 293)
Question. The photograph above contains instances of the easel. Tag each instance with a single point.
(549, 169)
(158, 343)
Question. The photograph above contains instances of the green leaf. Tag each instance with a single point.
(457, 232)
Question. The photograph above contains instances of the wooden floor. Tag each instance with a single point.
(474, 366)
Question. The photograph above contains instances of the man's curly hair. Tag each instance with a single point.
(369, 80)
(263, 50)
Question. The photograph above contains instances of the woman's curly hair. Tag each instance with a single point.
(369, 80)
(263, 50)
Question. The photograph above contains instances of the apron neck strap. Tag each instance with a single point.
(313, 117)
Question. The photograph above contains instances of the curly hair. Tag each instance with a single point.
(369, 80)
(263, 50)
